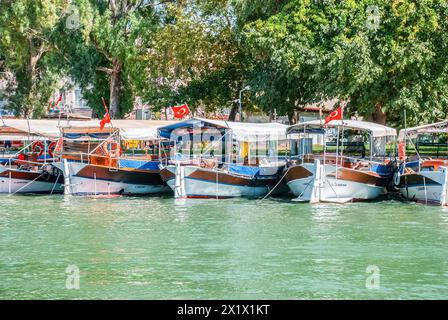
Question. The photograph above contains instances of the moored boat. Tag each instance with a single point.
(424, 178)
(331, 163)
(26, 149)
(222, 159)
(93, 162)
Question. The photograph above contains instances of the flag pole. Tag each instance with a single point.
(342, 142)
(337, 151)
(107, 111)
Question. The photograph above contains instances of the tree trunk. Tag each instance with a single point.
(32, 73)
(233, 111)
(292, 116)
(115, 88)
(379, 116)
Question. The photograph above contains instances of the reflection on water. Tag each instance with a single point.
(158, 248)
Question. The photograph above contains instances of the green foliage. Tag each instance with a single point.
(25, 27)
(385, 64)
(383, 56)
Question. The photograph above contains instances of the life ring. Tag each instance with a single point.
(51, 149)
(112, 149)
(38, 144)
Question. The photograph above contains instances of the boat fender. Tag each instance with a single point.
(397, 178)
(401, 151)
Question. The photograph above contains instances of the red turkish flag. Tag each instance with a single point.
(57, 101)
(335, 115)
(59, 144)
(106, 118)
(180, 111)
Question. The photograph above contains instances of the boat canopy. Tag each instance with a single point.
(316, 126)
(129, 129)
(241, 131)
(439, 127)
(21, 129)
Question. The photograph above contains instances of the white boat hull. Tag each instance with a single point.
(428, 187)
(312, 188)
(194, 182)
(26, 186)
(31, 183)
(333, 190)
(93, 185)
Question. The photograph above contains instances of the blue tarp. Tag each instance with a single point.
(381, 169)
(97, 135)
(139, 164)
(5, 161)
(244, 170)
(44, 156)
(413, 164)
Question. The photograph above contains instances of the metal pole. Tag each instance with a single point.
(9, 186)
(94, 180)
(406, 138)
(240, 108)
(303, 147)
(337, 153)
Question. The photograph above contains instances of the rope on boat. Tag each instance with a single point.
(55, 183)
(11, 194)
(275, 187)
(307, 186)
(336, 194)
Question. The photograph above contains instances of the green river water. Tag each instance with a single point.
(158, 248)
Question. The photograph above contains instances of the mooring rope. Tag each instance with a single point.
(26, 184)
(54, 186)
(278, 183)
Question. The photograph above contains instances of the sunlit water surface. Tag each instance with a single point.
(157, 248)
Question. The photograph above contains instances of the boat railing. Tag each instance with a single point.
(340, 158)
(215, 164)
(15, 162)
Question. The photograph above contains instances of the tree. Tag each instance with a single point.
(25, 26)
(384, 55)
(195, 57)
(103, 44)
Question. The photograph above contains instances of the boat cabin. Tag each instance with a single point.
(352, 138)
(215, 143)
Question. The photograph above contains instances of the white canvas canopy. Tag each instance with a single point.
(439, 127)
(241, 131)
(376, 130)
(129, 129)
(32, 129)
(50, 129)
